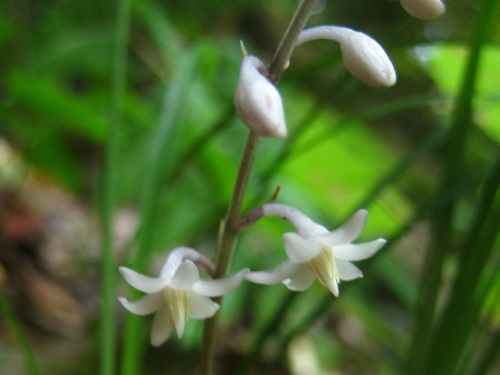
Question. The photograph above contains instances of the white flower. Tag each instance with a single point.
(315, 252)
(424, 9)
(178, 293)
(257, 101)
(362, 56)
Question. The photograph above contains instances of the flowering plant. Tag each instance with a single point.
(313, 251)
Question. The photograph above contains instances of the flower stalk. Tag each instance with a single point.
(225, 249)
(229, 228)
(287, 45)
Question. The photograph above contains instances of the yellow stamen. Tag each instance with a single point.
(178, 304)
(323, 266)
(243, 49)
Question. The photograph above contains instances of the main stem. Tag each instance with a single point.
(229, 228)
(285, 49)
(225, 249)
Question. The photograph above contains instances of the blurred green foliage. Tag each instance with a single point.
(349, 145)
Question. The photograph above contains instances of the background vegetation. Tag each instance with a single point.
(119, 141)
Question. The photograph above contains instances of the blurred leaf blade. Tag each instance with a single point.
(69, 112)
(452, 170)
(163, 143)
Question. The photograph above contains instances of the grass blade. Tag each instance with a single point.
(453, 164)
(162, 146)
(462, 311)
(108, 328)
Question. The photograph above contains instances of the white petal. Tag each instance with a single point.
(179, 327)
(142, 282)
(300, 280)
(274, 276)
(349, 231)
(202, 307)
(333, 286)
(162, 327)
(302, 223)
(179, 254)
(324, 267)
(219, 287)
(144, 306)
(347, 270)
(185, 276)
(300, 249)
(358, 251)
(178, 305)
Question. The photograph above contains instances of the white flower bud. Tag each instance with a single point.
(424, 9)
(257, 101)
(362, 55)
(367, 60)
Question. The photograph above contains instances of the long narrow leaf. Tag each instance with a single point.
(461, 313)
(453, 169)
(108, 327)
(161, 150)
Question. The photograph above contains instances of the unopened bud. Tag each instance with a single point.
(257, 101)
(362, 55)
(424, 9)
(367, 60)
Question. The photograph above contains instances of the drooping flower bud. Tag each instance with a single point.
(424, 9)
(367, 60)
(362, 55)
(257, 101)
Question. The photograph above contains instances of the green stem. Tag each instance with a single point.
(229, 228)
(287, 45)
(225, 249)
(108, 329)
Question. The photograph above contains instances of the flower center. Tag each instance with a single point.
(178, 303)
(324, 268)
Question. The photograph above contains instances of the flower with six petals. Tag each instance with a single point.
(316, 252)
(178, 293)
